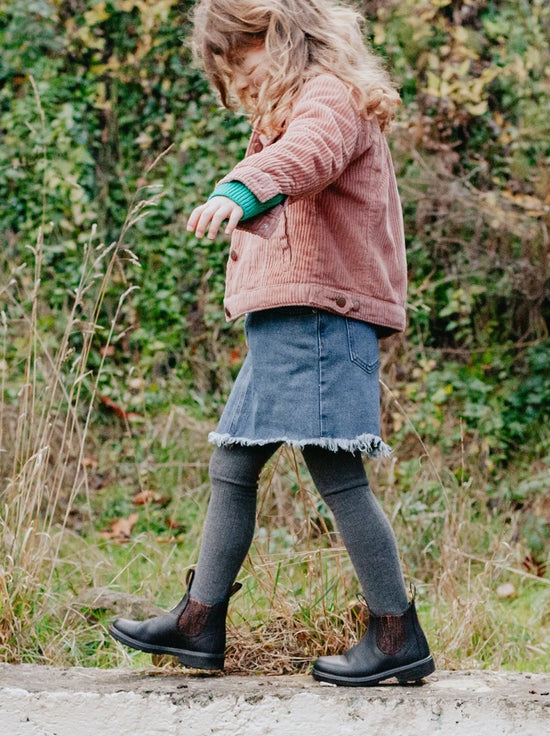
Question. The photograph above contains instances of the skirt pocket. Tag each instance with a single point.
(363, 345)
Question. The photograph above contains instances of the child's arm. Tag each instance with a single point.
(218, 208)
(322, 137)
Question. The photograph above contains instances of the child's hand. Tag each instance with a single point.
(211, 215)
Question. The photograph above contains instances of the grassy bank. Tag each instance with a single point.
(105, 498)
(115, 358)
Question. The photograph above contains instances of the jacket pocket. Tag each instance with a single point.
(284, 242)
(363, 345)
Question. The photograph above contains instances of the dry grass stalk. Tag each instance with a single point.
(44, 434)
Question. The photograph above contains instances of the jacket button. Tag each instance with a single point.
(355, 306)
(234, 255)
(341, 301)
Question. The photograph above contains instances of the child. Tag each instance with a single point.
(317, 264)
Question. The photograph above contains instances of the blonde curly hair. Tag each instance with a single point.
(302, 38)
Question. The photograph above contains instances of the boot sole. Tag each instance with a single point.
(410, 673)
(197, 660)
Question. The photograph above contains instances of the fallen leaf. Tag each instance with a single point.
(235, 357)
(144, 497)
(121, 529)
(118, 410)
(534, 566)
(171, 524)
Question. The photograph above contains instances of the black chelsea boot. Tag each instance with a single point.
(192, 631)
(394, 646)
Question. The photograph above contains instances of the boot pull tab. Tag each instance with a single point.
(189, 577)
(234, 588)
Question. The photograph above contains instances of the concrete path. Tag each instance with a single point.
(48, 701)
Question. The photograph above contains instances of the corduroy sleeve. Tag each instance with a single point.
(241, 195)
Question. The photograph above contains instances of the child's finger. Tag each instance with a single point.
(194, 218)
(205, 219)
(235, 216)
(222, 212)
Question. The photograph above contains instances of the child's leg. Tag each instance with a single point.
(365, 530)
(194, 630)
(230, 520)
(394, 645)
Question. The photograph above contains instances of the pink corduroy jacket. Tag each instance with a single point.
(337, 242)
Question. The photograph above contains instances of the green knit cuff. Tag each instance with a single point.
(241, 195)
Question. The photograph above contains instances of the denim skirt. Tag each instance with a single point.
(310, 377)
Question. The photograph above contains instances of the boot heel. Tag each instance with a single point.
(417, 671)
(202, 661)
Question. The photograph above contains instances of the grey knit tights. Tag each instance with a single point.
(340, 479)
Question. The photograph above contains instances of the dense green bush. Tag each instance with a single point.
(99, 100)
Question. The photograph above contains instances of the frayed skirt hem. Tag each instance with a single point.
(369, 445)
